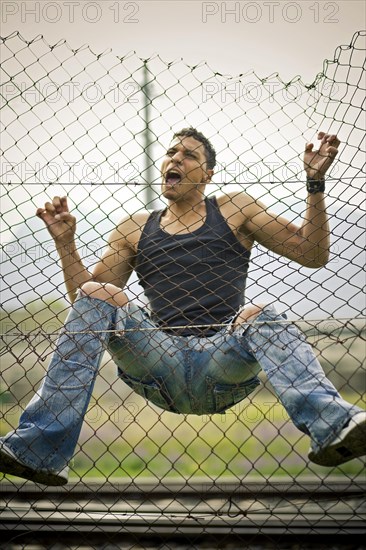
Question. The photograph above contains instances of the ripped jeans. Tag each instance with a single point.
(190, 375)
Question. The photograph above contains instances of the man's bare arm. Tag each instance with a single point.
(118, 260)
(307, 244)
(61, 225)
(116, 263)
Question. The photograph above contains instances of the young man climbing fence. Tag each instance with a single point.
(199, 348)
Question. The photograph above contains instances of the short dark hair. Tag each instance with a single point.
(209, 150)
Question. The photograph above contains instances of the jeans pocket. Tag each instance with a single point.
(224, 396)
(68, 375)
(153, 390)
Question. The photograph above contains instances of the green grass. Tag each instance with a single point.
(256, 441)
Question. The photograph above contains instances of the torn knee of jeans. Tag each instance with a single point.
(239, 329)
(252, 311)
(123, 312)
(80, 293)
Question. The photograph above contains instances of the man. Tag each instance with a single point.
(200, 350)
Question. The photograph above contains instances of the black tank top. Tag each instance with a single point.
(195, 278)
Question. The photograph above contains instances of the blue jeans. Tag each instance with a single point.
(187, 375)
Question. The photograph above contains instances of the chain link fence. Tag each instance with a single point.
(95, 127)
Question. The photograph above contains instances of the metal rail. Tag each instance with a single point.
(95, 510)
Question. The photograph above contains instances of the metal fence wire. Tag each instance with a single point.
(163, 392)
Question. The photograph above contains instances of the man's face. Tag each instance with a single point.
(184, 167)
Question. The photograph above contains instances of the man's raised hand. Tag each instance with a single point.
(316, 163)
(59, 222)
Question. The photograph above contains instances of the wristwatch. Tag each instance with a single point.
(315, 186)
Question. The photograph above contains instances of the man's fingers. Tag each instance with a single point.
(332, 152)
(57, 206)
(40, 212)
(49, 207)
(56, 203)
(64, 205)
(45, 215)
(60, 204)
(309, 147)
(333, 140)
(65, 217)
(328, 138)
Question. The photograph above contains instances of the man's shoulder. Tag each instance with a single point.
(235, 208)
(134, 221)
(235, 200)
(129, 229)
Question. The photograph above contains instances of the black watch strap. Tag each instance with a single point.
(315, 186)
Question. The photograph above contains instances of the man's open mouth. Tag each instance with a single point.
(172, 177)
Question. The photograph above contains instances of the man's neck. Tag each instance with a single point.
(186, 207)
(184, 215)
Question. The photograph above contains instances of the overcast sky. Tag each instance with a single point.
(291, 38)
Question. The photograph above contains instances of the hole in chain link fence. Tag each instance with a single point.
(164, 393)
